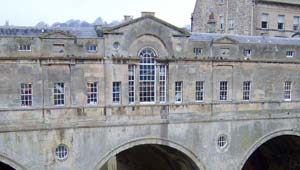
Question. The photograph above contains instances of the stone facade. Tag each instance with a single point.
(245, 17)
(221, 130)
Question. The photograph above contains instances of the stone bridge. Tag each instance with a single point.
(161, 140)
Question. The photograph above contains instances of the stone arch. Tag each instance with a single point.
(265, 139)
(11, 163)
(153, 35)
(148, 40)
(144, 141)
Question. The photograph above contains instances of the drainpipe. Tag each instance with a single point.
(252, 18)
(226, 18)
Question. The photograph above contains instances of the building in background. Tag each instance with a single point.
(279, 18)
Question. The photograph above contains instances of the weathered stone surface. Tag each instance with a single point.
(96, 133)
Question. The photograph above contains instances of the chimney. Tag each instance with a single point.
(6, 23)
(148, 14)
(98, 27)
(128, 18)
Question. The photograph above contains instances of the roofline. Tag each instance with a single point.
(279, 2)
(181, 30)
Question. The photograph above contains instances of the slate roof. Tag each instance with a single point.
(8, 31)
(245, 39)
(291, 2)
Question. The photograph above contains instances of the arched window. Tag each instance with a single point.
(147, 75)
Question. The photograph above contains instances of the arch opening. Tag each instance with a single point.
(150, 157)
(279, 153)
(4, 166)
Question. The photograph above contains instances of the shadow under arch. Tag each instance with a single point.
(10, 162)
(265, 139)
(146, 141)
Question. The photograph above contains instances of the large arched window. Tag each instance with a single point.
(147, 75)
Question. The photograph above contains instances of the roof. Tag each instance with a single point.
(245, 39)
(15, 31)
(291, 2)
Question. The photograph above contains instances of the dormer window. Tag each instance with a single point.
(25, 47)
(91, 48)
(247, 52)
(290, 54)
(197, 51)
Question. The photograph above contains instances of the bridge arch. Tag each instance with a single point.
(7, 162)
(265, 139)
(149, 141)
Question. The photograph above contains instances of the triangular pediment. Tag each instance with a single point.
(225, 40)
(176, 30)
(58, 35)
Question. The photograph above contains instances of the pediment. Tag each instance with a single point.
(175, 30)
(225, 40)
(58, 35)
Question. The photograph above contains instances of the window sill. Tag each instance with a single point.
(199, 101)
(92, 52)
(59, 105)
(24, 51)
(147, 103)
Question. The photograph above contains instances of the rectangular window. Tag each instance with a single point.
(264, 20)
(199, 91)
(290, 54)
(247, 52)
(222, 23)
(280, 22)
(246, 90)
(222, 1)
(26, 94)
(231, 24)
(92, 93)
(178, 91)
(162, 83)
(296, 23)
(116, 94)
(287, 91)
(197, 51)
(25, 47)
(59, 94)
(91, 48)
(131, 83)
(223, 90)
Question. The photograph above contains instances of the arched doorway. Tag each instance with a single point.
(4, 166)
(279, 153)
(150, 157)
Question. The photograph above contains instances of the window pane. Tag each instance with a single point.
(147, 75)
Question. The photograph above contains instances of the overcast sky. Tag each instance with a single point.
(30, 12)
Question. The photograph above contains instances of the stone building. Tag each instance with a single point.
(147, 95)
(279, 18)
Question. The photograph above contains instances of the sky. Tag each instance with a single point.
(30, 12)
